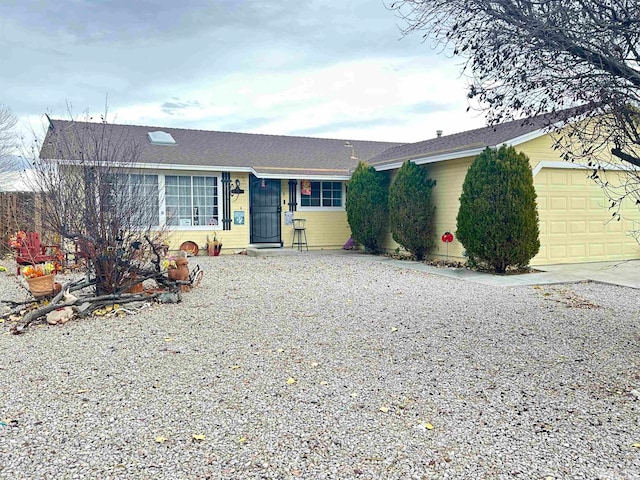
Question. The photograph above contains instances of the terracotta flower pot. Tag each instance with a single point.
(181, 272)
(137, 288)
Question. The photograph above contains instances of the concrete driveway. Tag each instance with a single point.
(625, 273)
(622, 273)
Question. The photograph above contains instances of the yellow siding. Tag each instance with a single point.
(574, 219)
(539, 150)
(325, 229)
(449, 176)
(575, 222)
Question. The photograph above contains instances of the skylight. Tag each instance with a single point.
(161, 138)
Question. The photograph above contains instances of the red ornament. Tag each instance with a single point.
(447, 237)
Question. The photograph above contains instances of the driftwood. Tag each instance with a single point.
(84, 304)
(94, 303)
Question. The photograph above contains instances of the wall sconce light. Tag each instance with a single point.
(237, 190)
(263, 183)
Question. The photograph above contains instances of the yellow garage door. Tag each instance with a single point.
(576, 225)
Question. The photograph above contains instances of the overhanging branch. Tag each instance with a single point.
(626, 157)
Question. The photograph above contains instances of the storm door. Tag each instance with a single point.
(265, 210)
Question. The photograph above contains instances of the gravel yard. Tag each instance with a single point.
(322, 366)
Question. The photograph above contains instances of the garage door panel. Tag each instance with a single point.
(558, 177)
(614, 227)
(557, 252)
(595, 249)
(614, 249)
(578, 251)
(558, 227)
(542, 227)
(558, 204)
(631, 249)
(578, 226)
(579, 203)
(598, 204)
(541, 202)
(575, 221)
(579, 178)
(596, 226)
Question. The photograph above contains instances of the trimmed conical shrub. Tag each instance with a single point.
(367, 207)
(411, 211)
(498, 217)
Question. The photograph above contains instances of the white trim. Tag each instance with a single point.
(576, 166)
(471, 152)
(183, 167)
(219, 226)
(296, 176)
(527, 136)
(300, 208)
(556, 164)
(435, 158)
(216, 168)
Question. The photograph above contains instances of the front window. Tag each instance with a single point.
(134, 199)
(320, 194)
(145, 189)
(191, 201)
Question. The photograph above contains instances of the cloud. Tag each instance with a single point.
(266, 67)
(348, 125)
(177, 107)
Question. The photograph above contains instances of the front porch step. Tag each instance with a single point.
(253, 251)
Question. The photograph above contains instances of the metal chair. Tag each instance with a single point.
(299, 234)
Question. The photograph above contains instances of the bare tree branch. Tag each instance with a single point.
(95, 197)
(528, 57)
(8, 138)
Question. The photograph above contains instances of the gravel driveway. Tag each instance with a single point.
(320, 366)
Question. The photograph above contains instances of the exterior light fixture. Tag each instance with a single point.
(237, 190)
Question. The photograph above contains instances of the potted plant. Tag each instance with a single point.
(178, 269)
(213, 246)
(40, 279)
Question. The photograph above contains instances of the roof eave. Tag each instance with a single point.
(472, 152)
(220, 168)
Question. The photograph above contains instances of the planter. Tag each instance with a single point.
(41, 286)
(180, 273)
(214, 250)
(137, 288)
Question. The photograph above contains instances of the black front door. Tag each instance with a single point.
(265, 210)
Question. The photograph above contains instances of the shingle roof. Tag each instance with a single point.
(461, 142)
(266, 154)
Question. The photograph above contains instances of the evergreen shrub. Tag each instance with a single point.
(411, 211)
(498, 217)
(367, 207)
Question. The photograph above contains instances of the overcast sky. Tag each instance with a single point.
(323, 68)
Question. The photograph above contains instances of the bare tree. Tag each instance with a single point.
(8, 140)
(94, 194)
(574, 60)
